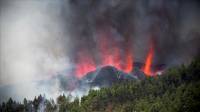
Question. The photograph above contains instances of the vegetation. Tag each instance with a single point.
(177, 90)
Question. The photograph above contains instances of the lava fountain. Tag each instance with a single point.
(113, 53)
(110, 53)
(148, 62)
(85, 64)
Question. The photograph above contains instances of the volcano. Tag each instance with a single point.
(114, 66)
(105, 77)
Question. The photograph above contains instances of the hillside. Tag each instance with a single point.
(177, 90)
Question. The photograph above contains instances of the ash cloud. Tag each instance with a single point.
(172, 24)
(41, 38)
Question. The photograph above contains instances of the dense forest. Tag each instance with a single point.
(176, 90)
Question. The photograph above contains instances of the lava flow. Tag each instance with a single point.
(148, 62)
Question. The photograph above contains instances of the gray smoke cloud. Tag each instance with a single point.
(40, 39)
(33, 47)
(172, 25)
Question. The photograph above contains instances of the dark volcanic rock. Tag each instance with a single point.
(109, 75)
(105, 77)
(138, 73)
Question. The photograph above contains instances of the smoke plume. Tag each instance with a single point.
(45, 44)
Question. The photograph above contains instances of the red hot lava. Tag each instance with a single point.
(111, 53)
(87, 64)
(148, 62)
(129, 63)
(84, 65)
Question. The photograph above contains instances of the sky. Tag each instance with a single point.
(40, 39)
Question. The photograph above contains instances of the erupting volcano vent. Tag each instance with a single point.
(148, 62)
(111, 53)
(85, 64)
(56, 47)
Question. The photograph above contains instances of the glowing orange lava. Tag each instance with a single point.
(129, 63)
(85, 64)
(109, 53)
(148, 62)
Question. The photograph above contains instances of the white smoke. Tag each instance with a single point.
(33, 47)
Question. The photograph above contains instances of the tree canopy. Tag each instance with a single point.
(177, 90)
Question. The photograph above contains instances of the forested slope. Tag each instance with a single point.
(177, 90)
